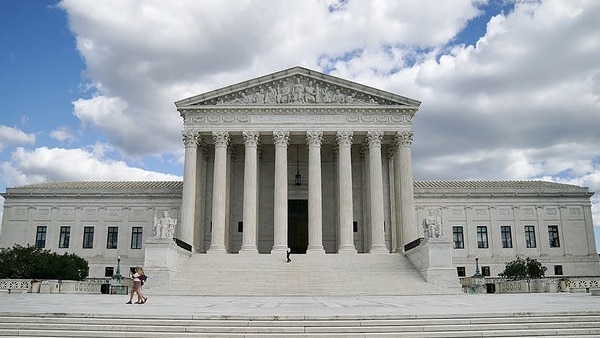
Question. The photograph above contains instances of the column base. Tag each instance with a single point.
(249, 250)
(216, 250)
(347, 250)
(315, 250)
(379, 249)
(279, 248)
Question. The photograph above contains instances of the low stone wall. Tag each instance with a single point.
(546, 284)
(57, 286)
(533, 286)
(579, 284)
(15, 285)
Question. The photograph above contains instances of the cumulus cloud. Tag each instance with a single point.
(60, 164)
(141, 57)
(14, 136)
(62, 134)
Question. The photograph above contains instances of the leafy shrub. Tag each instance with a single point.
(30, 262)
(523, 268)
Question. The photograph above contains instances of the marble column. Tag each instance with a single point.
(219, 207)
(410, 228)
(346, 210)
(376, 191)
(315, 205)
(395, 226)
(399, 230)
(249, 235)
(188, 196)
(280, 203)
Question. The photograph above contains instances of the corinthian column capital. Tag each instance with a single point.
(374, 138)
(344, 138)
(250, 138)
(281, 138)
(404, 138)
(220, 138)
(314, 138)
(190, 138)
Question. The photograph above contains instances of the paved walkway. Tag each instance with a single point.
(297, 307)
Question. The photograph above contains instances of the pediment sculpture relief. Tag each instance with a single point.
(297, 90)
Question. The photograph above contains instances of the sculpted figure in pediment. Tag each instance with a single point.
(284, 93)
(310, 93)
(296, 90)
(271, 96)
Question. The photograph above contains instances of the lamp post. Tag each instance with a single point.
(117, 275)
(477, 272)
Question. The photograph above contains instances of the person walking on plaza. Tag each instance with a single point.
(136, 275)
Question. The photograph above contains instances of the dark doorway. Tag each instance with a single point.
(298, 226)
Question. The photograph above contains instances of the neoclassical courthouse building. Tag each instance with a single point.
(303, 160)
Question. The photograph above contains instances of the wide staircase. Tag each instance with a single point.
(475, 325)
(307, 274)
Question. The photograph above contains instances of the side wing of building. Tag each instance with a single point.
(493, 221)
(99, 221)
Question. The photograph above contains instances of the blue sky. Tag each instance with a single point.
(510, 89)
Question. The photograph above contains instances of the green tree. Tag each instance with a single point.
(523, 268)
(30, 262)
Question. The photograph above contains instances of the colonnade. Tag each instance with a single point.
(403, 190)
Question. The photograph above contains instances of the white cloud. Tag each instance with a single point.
(141, 57)
(59, 164)
(14, 136)
(62, 134)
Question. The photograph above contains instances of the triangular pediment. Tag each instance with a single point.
(297, 86)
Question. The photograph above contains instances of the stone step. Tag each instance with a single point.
(307, 274)
(61, 325)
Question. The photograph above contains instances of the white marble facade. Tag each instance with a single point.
(308, 161)
(296, 139)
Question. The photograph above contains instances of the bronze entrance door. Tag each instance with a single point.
(298, 226)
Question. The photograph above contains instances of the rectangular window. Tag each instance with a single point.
(40, 236)
(112, 238)
(136, 237)
(461, 271)
(506, 236)
(88, 237)
(482, 237)
(485, 270)
(558, 270)
(355, 226)
(240, 226)
(530, 236)
(65, 235)
(458, 237)
(553, 236)
(109, 271)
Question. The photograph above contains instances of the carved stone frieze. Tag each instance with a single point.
(298, 89)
